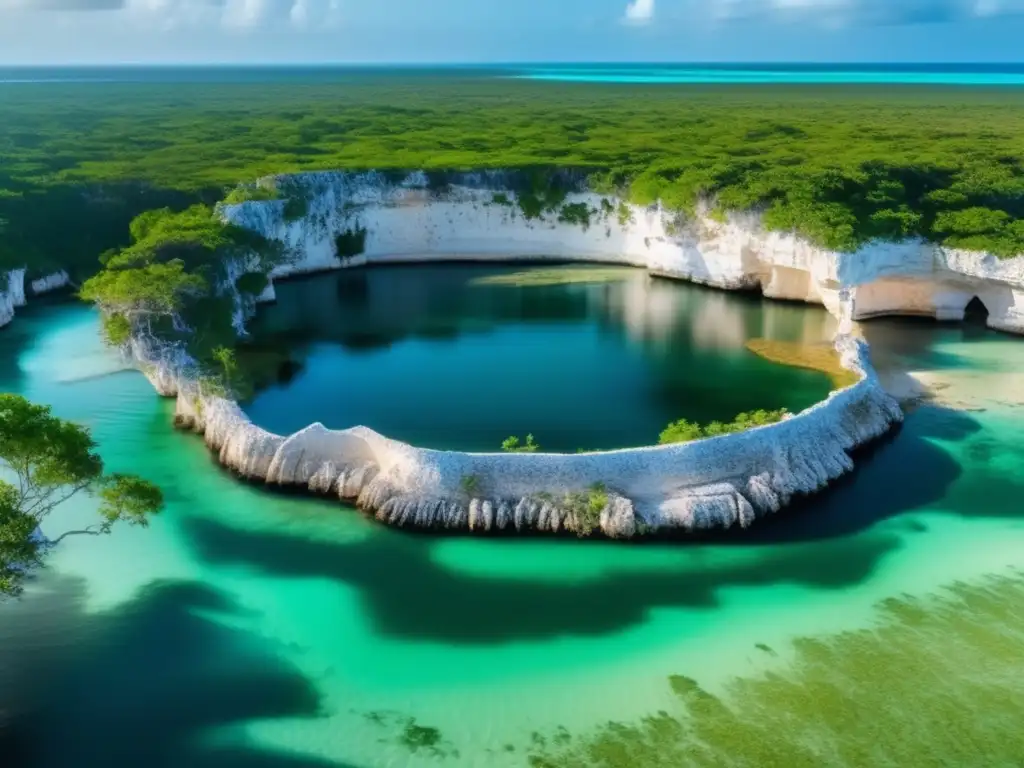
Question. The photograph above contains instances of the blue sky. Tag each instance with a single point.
(270, 31)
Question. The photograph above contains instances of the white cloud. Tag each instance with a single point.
(844, 12)
(231, 14)
(639, 12)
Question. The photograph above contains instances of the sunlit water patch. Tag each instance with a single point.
(248, 628)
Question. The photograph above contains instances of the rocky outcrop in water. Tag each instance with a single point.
(12, 294)
(716, 483)
(12, 290)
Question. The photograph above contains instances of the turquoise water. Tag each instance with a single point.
(460, 357)
(890, 74)
(251, 629)
(1003, 74)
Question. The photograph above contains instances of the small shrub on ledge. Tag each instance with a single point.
(514, 445)
(684, 431)
(350, 243)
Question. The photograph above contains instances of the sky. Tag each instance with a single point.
(505, 31)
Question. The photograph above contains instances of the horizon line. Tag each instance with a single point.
(492, 64)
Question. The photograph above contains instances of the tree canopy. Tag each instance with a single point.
(44, 461)
(841, 165)
(165, 281)
(684, 431)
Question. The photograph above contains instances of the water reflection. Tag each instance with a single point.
(458, 356)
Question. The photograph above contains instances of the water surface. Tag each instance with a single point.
(461, 357)
(250, 629)
(955, 74)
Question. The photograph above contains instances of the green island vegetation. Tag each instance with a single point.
(50, 460)
(820, 357)
(164, 285)
(684, 431)
(515, 445)
(830, 702)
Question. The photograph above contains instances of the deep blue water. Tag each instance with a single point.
(824, 73)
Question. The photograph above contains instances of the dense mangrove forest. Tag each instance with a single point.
(840, 166)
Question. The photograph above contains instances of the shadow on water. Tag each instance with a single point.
(409, 595)
(145, 684)
(830, 546)
(15, 339)
(900, 473)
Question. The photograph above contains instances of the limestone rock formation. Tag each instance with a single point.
(404, 220)
(720, 482)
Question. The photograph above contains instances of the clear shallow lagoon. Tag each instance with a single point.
(253, 629)
(461, 357)
(957, 74)
(834, 74)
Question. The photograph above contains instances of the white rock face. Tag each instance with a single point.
(12, 290)
(716, 483)
(12, 294)
(51, 282)
(405, 221)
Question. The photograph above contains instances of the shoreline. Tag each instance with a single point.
(715, 483)
(670, 491)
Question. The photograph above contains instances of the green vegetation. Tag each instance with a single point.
(575, 213)
(49, 461)
(586, 507)
(513, 445)
(295, 208)
(165, 283)
(351, 242)
(684, 431)
(470, 485)
(840, 165)
(245, 193)
(415, 738)
(892, 694)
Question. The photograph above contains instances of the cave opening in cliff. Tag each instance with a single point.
(976, 312)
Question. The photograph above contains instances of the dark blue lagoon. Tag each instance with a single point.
(461, 357)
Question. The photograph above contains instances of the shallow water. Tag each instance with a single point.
(247, 628)
(461, 357)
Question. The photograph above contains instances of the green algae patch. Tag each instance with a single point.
(408, 733)
(557, 276)
(816, 357)
(936, 682)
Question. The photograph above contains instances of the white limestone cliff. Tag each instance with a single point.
(12, 290)
(12, 294)
(404, 220)
(715, 483)
(52, 282)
